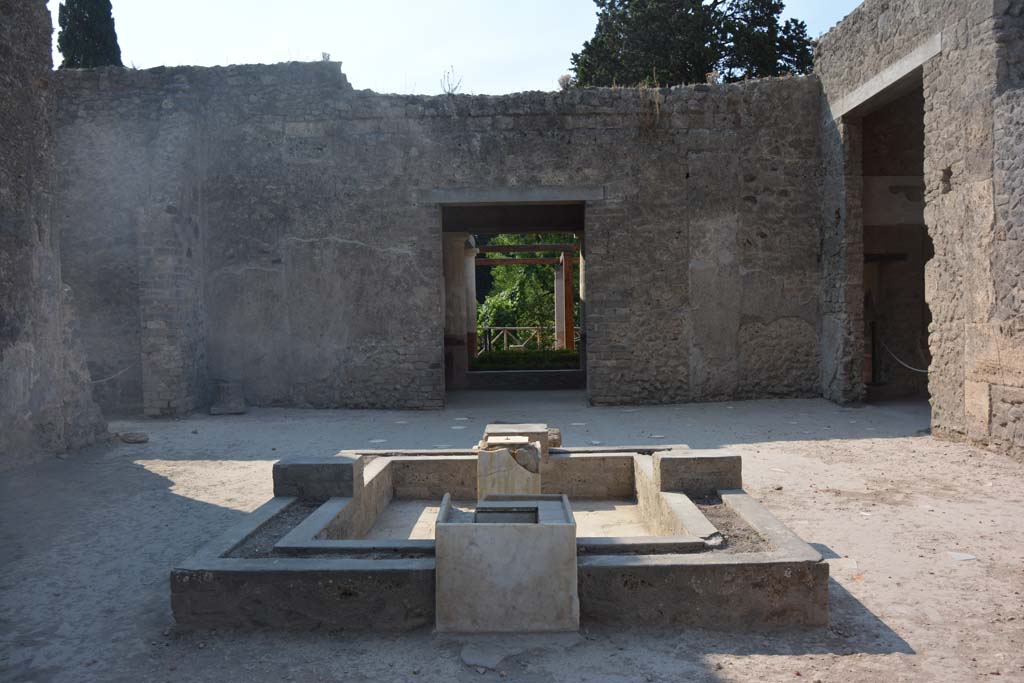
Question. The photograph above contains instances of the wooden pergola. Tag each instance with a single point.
(565, 337)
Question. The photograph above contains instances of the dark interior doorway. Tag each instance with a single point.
(896, 248)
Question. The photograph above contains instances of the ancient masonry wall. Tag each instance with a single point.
(999, 370)
(970, 97)
(129, 206)
(45, 394)
(284, 230)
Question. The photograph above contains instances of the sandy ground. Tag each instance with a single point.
(87, 543)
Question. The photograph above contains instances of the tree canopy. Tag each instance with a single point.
(87, 37)
(671, 42)
(521, 295)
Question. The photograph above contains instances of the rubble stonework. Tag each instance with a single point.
(279, 227)
(45, 394)
(972, 170)
(272, 227)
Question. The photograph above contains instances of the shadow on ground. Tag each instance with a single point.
(89, 542)
(273, 433)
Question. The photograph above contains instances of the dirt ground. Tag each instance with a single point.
(925, 540)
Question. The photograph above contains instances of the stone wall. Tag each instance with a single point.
(45, 394)
(103, 264)
(999, 359)
(129, 204)
(456, 310)
(701, 268)
(980, 57)
(172, 302)
(319, 256)
(1000, 368)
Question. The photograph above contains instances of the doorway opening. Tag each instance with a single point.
(514, 296)
(896, 248)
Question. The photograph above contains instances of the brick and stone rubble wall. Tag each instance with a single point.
(842, 257)
(129, 205)
(701, 266)
(102, 264)
(320, 261)
(324, 274)
(45, 392)
(1009, 37)
(980, 58)
(999, 363)
(172, 302)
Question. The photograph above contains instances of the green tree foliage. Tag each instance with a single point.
(87, 38)
(796, 49)
(522, 296)
(681, 41)
(759, 46)
(638, 41)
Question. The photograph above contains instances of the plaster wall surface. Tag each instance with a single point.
(456, 310)
(45, 393)
(969, 88)
(284, 240)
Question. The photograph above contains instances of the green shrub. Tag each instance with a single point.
(557, 359)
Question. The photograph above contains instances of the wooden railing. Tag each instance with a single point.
(517, 338)
(514, 338)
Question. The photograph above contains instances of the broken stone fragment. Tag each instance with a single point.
(534, 432)
(528, 456)
(498, 471)
(134, 437)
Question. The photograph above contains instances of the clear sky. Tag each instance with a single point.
(397, 46)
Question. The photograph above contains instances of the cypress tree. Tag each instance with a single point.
(682, 41)
(87, 38)
(760, 45)
(644, 41)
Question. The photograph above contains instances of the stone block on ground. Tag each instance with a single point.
(532, 431)
(230, 399)
(318, 477)
(134, 437)
(698, 473)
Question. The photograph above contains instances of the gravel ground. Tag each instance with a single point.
(924, 537)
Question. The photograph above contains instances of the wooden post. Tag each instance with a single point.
(559, 308)
(569, 292)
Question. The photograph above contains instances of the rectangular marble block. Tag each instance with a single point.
(532, 432)
(506, 576)
(497, 473)
(318, 477)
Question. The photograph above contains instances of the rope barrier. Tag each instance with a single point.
(96, 381)
(897, 359)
